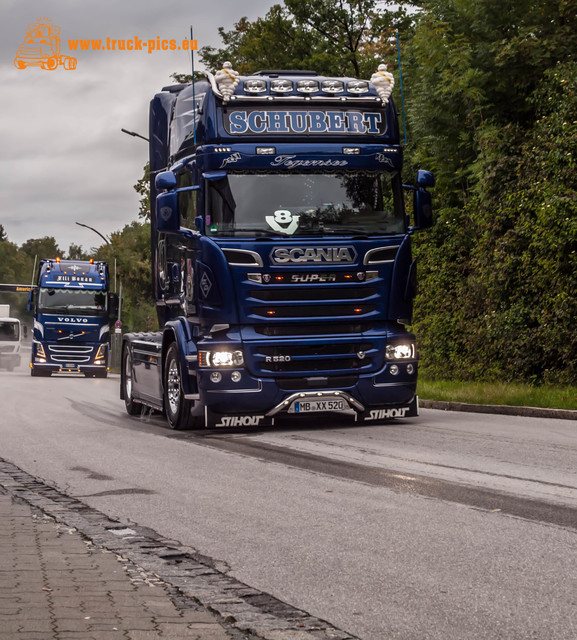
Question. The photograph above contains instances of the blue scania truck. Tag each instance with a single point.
(73, 309)
(282, 266)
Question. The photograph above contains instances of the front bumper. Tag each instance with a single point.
(307, 406)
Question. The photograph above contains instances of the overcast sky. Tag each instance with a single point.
(63, 157)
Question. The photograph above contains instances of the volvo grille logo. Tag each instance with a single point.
(316, 255)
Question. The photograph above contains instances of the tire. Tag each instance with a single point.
(133, 408)
(176, 406)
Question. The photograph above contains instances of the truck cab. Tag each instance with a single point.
(10, 342)
(72, 309)
(282, 264)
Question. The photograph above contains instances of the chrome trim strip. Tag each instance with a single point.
(393, 384)
(367, 260)
(255, 256)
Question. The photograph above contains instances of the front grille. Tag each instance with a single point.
(316, 293)
(313, 311)
(316, 382)
(341, 300)
(316, 350)
(72, 354)
(334, 328)
(316, 358)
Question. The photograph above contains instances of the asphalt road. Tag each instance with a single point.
(450, 525)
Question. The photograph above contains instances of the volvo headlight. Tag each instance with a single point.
(40, 353)
(401, 351)
(100, 355)
(220, 359)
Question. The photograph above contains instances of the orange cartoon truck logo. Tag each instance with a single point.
(41, 48)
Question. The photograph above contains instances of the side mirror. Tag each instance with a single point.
(167, 218)
(165, 180)
(425, 179)
(113, 306)
(423, 209)
(31, 299)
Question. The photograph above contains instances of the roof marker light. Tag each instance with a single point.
(358, 86)
(254, 86)
(281, 86)
(333, 86)
(307, 86)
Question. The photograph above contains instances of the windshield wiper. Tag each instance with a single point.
(326, 231)
(263, 234)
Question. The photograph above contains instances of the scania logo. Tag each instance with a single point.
(309, 255)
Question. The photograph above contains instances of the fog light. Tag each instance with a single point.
(410, 369)
(235, 376)
(394, 369)
(215, 376)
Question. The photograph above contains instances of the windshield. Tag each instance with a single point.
(91, 303)
(305, 204)
(9, 331)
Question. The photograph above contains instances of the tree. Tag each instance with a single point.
(142, 187)
(492, 95)
(472, 69)
(330, 37)
(128, 254)
(42, 247)
(75, 252)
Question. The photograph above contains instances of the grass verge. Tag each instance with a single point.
(512, 394)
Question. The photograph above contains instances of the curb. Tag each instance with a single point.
(244, 610)
(500, 409)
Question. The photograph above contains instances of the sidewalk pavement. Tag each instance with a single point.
(56, 585)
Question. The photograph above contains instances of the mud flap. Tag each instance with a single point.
(373, 416)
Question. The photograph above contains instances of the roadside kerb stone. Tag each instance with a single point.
(244, 611)
(499, 409)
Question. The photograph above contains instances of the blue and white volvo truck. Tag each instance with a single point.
(73, 309)
(281, 246)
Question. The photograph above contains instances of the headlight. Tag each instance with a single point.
(40, 350)
(220, 358)
(404, 351)
(101, 352)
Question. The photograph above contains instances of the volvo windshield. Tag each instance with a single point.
(305, 204)
(83, 301)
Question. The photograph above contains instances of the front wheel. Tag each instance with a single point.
(177, 407)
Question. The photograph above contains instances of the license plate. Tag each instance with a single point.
(70, 365)
(316, 406)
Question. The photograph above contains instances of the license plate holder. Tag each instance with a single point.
(320, 405)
